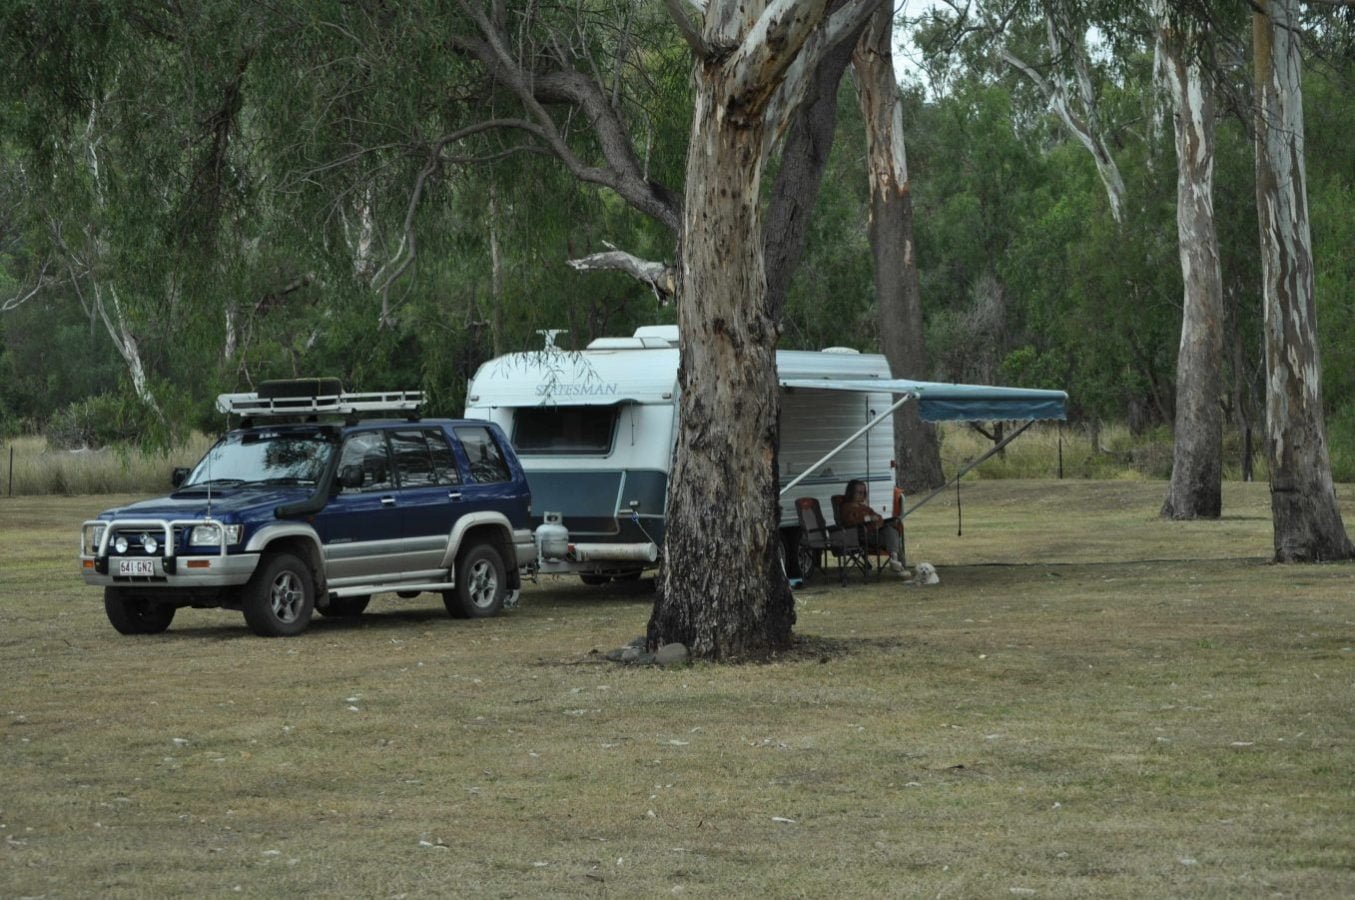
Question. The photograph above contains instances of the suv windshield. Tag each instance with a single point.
(264, 456)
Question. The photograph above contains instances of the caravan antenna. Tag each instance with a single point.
(549, 335)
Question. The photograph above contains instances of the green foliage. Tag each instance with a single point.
(1332, 204)
(101, 420)
(240, 178)
(831, 300)
(1341, 443)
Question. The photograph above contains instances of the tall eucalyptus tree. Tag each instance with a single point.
(1064, 77)
(898, 293)
(722, 590)
(1187, 73)
(1307, 519)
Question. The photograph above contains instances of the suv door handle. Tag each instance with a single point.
(454, 495)
(387, 501)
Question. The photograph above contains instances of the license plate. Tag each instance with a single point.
(136, 567)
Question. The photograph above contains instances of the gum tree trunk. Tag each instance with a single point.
(722, 589)
(1307, 520)
(1196, 488)
(898, 295)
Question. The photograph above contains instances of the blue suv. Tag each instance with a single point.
(314, 504)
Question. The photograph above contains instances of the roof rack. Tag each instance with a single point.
(341, 403)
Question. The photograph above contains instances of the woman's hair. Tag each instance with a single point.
(850, 490)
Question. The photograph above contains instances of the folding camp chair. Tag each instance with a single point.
(817, 538)
(870, 542)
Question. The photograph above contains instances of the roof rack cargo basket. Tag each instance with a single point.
(315, 396)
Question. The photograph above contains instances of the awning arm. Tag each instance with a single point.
(843, 446)
(958, 475)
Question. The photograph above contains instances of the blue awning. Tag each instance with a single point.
(942, 402)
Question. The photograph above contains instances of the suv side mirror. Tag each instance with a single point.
(178, 476)
(351, 476)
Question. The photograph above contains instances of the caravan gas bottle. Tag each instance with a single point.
(552, 537)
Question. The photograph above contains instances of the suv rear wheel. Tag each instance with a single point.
(481, 584)
(131, 614)
(280, 597)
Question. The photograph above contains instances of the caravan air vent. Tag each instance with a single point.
(615, 343)
(652, 333)
(842, 350)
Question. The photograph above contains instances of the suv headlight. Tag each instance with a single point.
(92, 536)
(210, 535)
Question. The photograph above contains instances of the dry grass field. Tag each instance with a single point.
(1092, 703)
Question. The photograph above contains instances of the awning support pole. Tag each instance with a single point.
(960, 474)
(843, 446)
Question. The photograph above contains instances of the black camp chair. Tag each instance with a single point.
(872, 545)
(818, 538)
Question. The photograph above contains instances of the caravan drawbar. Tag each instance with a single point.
(595, 432)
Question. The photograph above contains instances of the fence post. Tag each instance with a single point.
(11, 470)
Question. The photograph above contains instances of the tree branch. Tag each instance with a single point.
(623, 174)
(21, 298)
(772, 47)
(1085, 128)
(661, 278)
(842, 28)
(690, 33)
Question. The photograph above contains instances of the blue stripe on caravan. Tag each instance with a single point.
(590, 500)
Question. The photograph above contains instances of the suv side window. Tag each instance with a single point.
(368, 450)
(444, 460)
(424, 458)
(487, 465)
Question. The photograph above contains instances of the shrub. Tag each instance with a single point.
(98, 422)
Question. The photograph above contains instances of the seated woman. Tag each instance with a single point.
(880, 532)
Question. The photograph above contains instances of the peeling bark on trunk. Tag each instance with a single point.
(898, 295)
(1196, 488)
(1307, 520)
(722, 589)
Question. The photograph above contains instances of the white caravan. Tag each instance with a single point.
(595, 432)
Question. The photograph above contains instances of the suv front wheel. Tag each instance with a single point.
(481, 583)
(280, 597)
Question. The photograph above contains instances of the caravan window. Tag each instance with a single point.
(564, 430)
